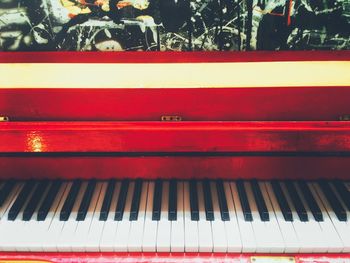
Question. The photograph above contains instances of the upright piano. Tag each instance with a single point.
(175, 157)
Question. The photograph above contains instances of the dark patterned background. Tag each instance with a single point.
(178, 25)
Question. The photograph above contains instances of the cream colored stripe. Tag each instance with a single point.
(175, 75)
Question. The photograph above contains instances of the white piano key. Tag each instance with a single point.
(234, 242)
(306, 240)
(65, 240)
(329, 232)
(110, 226)
(11, 235)
(18, 237)
(8, 237)
(309, 233)
(218, 226)
(343, 228)
(291, 242)
(122, 235)
(41, 228)
(149, 241)
(78, 241)
(137, 226)
(30, 237)
(164, 225)
(56, 225)
(277, 244)
(16, 240)
(262, 236)
(6, 226)
(177, 226)
(108, 236)
(191, 227)
(204, 227)
(92, 239)
(247, 237)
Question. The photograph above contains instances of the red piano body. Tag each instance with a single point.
(269, 123)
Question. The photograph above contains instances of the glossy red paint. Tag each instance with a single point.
(236, 104)
(175, 137)
(169, 57)
(165, 257)
(175, 167)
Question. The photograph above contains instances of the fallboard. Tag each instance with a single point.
(175, 149)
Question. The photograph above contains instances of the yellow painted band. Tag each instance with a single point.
(175, 75)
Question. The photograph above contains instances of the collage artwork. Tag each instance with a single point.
(174, 25)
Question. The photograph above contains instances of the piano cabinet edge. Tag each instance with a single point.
(152, 167)
(171, 57)
(92, 257)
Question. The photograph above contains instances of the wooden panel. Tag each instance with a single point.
(175, 167)
(176, 137)
(254, 104)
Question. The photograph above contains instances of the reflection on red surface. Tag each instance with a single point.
(35, 142)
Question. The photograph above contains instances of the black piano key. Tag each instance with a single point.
(296, 200)
(208, 201)
(85, 202)
(343, 192)
(225, 216)
(34, 200)
(282, 201)
(49, 199)
(106, 205)
(244, 201)
(310, 200)
(135, 203)
(70, 200)
(119, 211)
(337, 207)
(6, 190)
(157, 200)
(260, 202)
(172, 215)
(194, 200)
(20, 200)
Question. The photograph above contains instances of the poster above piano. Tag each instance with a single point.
(174, 25)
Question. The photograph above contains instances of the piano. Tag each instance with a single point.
(175, 157)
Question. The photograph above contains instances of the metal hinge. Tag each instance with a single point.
(345, 117)
(4, 118)
(272, 259)
(171, 118)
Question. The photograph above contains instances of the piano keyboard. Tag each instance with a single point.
(175, 216)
